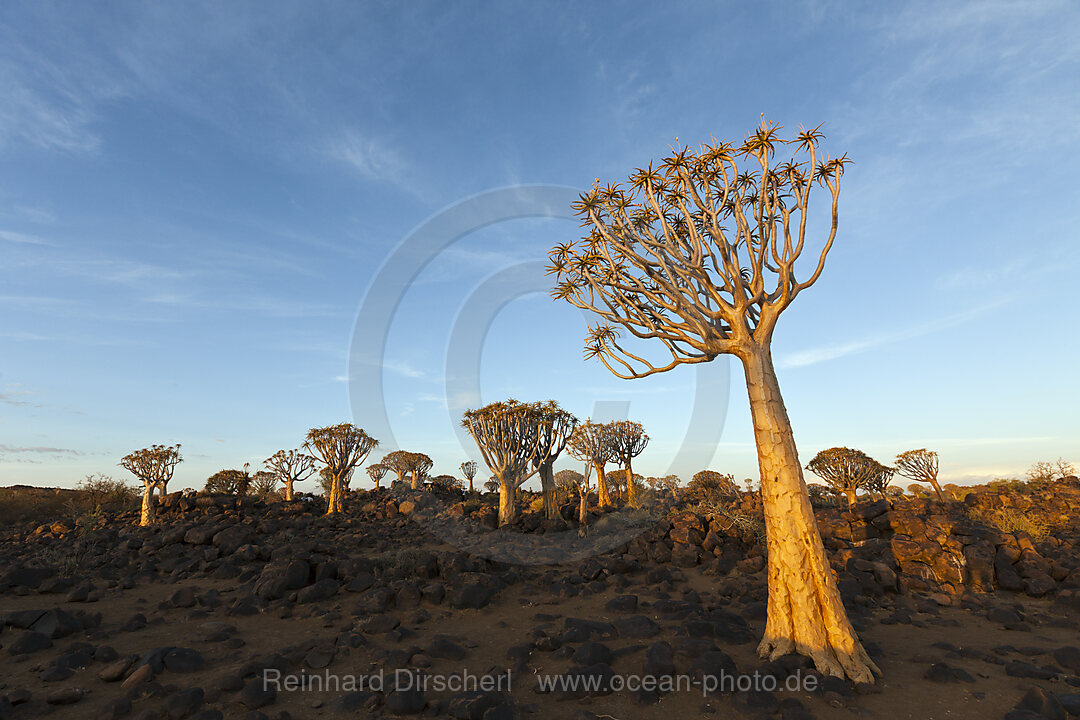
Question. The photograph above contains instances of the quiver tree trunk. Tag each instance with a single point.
(507, 500)
(147, 513)
(547, 485)
(583, 509)
(289, 490)
(631, 491)
(805, 612)
(334, 503)
(850, 495)
(603, 499)
(937, 489)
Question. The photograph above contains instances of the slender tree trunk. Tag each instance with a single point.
(937, 489)
(631, 491)
(805, 612)
(583, 509)
(470, 486)
(146, 515)
(603, 499)
(289, 490)
(547, 485)
(334, 505)
(507, 500)
(416, 481)
(850, 497)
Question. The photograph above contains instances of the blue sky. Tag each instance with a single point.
(194, 200)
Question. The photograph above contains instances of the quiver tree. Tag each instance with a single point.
(845, 470)
(878, 482)
(567, 482)
(264, 483)
(397, 462)
(699, 257)
(920, 465)
(408, 465)
(594, 443)
(628, 440)
(555, 428)
(377, 472)
(509, 435)
(227, 482)
(290, 466)
(419, 464)
(341, 448)
(154, 466)
(468, 469)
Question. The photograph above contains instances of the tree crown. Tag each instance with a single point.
(698, 254)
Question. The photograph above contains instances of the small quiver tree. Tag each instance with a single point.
(845, 470)
(594, 443)
(341, 448)
(418, 466)
(264, 484)
(154, 466)
(921, 466)
(510, 439)
(377, 472)
(628, 440)
(555, 428)
(290, 467)
(468, 469)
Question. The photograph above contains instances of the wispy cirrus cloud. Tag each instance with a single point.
(23, 238)
(824, 353)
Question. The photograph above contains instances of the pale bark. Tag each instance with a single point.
(805, 612)
(415, 481)
(147, 513)
(547, 486)
(507, 500)
(289, 490)
(850, 494)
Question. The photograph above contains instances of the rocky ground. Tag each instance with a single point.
(187, 618)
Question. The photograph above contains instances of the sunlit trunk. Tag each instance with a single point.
(805, 612)
(288, 490)
(937, 489)
(507, 499)
(603, 499)
(631, 491)
(146, 515)
(850, 497)
(334, 504)
(416, 481)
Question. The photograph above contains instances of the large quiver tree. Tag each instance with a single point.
(154, 466)
(698, 257)
(341, 448)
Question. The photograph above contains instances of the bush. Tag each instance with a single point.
(1010, 521)
(445, 483)
(711, 485)
(103, 492)
(228, 482)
